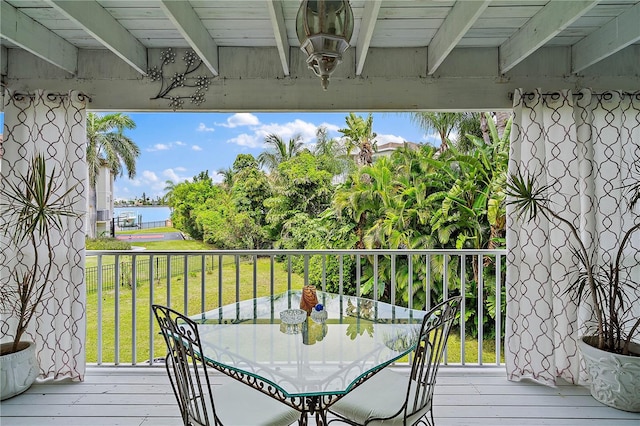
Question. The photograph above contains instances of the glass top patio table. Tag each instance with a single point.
(248, 341)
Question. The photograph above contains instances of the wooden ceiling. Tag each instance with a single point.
(404, 55)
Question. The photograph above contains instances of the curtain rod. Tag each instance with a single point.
(579, 95)
(50, 95)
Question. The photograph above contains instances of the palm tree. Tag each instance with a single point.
(279, 151)
(169, 186)
(442, 122)
(108, 146)
(332, 152)
(359, 134)
(227, 177)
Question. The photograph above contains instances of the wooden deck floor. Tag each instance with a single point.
(464, 396)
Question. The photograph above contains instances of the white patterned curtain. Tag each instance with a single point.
(53, 125)
(584, 145)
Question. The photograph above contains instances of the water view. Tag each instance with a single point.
(145, 213)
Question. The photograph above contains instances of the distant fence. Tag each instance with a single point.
(194, 264)
(121, 225)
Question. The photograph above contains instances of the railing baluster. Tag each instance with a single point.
(375, 277)
(117, 311)
(358, 274)
(134, 292)
(498, 311)
(99, 325)
(427, 278)
(306, 270)
(168, 280)
(203, 283)
(341, 275)
(480, 313)
(220, 280)
(324, 273)
(151, 321)
(272, 274)
(410, 283)
(185, 277)
(393, 279)
(255, 275)
(288, 272)
(463, 305)
(237, 263)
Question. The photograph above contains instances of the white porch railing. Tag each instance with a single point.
(122, 285)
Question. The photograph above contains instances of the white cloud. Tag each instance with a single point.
(203, 128)
(241, 119)
(159, 147)
(149, 176)
(165, 146)
(196, 148)
(251, 141)
(382, 139)
(287, 131)
(217, 178)
(172, 174)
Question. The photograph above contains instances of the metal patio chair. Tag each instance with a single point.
(390, 398)
(235, 403)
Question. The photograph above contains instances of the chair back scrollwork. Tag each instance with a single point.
(185, 367)
(429, 354)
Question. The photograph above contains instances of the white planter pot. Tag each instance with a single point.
(615, 379)
(18, 370)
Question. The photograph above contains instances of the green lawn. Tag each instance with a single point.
(155, 245)
(147, 230)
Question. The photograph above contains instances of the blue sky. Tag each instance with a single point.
(177, 146)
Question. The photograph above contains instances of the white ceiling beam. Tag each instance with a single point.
(280, 32)
(33, 37)
(187, 22)
(367, 25)
(99, 23)
(462, 17)
(615, 35)
(546, 24)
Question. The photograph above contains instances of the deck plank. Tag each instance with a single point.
(464, 396)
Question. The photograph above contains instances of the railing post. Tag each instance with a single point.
(463, 306)
(117, 310)
(151, 295)
(498, 312)
(99, 325)
(134, 293)
(480, 313)
(203, 276)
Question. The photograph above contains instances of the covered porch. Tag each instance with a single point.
(406, 56)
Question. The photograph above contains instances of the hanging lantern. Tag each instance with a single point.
(324, 28)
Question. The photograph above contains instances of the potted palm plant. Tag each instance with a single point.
(612, 358)
(32, 209)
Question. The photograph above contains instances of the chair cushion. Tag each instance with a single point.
(379, 397)
(238, 404)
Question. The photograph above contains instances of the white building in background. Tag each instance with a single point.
(104, 201)
(386, 149)
(382, 150)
